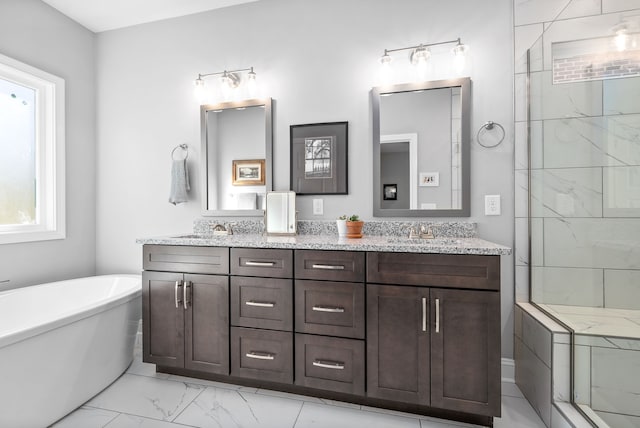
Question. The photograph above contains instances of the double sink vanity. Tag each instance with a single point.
(411, 325)
(384, 321)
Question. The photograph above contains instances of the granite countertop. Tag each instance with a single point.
(443, 245)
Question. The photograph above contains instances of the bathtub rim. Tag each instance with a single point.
(86, 312)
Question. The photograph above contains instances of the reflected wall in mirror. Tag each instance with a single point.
(236, 140)
(421, 137)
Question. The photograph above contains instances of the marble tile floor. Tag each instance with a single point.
(141, 398)
(598, 321)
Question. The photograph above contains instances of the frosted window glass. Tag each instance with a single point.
(18, 149)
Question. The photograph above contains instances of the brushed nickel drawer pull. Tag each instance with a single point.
(260, 304)
(328, 267)
(437, 315)
(329, 365)
(260, 355)
(260, 264)
(336, 310)
(424, 314)
(177, 294)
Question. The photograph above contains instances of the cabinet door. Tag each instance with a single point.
(162, 321)
(398, 343)
(465, 349)
(207, 323)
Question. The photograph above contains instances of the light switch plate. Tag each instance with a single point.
(318, 207)
(491, 204)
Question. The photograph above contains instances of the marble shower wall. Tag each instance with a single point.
(585, 160)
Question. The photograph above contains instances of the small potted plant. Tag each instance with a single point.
(341, 222)
(354, 227)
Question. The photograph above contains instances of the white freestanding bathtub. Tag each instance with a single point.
(61, 343)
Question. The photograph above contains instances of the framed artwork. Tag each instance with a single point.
(429, 179)
(390, 192)
(248, 172)
(319, 158)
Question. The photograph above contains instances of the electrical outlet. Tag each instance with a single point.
(318, 207)
(491, 204)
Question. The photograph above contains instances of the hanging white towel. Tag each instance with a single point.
(179, 182)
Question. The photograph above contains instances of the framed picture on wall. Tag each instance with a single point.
(319, 158)
(248, 172)
(390, 192)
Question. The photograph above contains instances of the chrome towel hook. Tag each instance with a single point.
(489, 126)
(184, 147)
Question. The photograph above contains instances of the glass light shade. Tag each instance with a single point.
(420, 56)
(251, 83)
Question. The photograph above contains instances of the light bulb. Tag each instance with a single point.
(251, 83)
(198, 89)
(385, 68)
(622, 37)
(459, 57)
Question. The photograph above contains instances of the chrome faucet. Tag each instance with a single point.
(219, 229)
(425, 233)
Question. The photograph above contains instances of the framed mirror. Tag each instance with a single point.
(421, 138)
(237, 143)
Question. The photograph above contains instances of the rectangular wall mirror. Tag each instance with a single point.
(236, 157)
(421, 137)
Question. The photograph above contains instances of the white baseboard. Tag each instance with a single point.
(508, 370)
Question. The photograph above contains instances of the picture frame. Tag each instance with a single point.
(429, 179)
(319, 163)
(248, 172)
(390, 192)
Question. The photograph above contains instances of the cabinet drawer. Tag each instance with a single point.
(330, 308)
(175, 258)
(262, 302)
(330, 363)
(441, 270)
(330, 265)
(262, 354)
(262, 262)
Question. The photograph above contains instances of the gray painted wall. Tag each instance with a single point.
(38, 35)
(318, 60)
(393, 170)
(145, 106)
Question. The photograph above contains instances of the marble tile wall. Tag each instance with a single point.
(585, 160)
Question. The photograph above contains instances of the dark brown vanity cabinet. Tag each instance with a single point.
(434, 340)
(416, 332)
(185, 316)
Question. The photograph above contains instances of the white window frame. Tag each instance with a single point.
(50, 153)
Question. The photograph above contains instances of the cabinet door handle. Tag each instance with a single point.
(336, 310)
(185, 294)
(329, 364)
(260, 304)
(177, 294)
(328, 267)
(260, 355)
(437, 315)
(260, 264)
(424, 314)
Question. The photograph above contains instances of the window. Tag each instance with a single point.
(31, 154)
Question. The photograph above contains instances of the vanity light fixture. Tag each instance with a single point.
(622, 36)
(421, 53)
(229, 80)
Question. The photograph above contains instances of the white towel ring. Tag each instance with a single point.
(183, 147)
(488, 126)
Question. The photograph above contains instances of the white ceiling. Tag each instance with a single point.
(103, 15)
